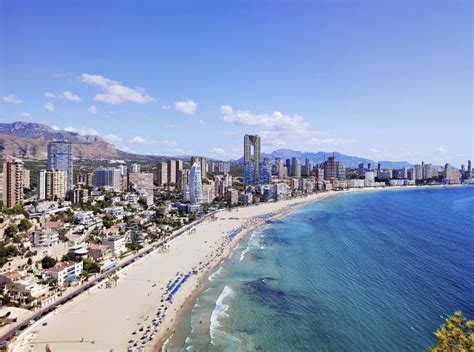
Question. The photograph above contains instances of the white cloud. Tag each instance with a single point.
(71, 96)
(112, 137)
(49, 107)
(166, 107)
(115, 92)
(137, 140)
(274, 121)
(49, 95)
(82, 131)
(92, 109)
(188, 107)
(201, 122)
(25, 114)
(331, 141)
(169, 143)
(442, 149)
(218, 151)
(11, 99)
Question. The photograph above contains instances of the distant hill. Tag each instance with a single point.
(319, 157)
(30, 141)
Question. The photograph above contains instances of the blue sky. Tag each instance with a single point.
(387, 80)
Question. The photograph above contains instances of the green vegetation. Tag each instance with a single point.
(455, 335)
(25, 225)
(6, 252)
(11, 230)
(90, 267)
(48, 262)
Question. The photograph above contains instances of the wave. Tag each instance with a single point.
(244, 252)
(219, 312)
(216, 273)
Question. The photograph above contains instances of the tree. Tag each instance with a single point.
(89, 266)
(25, 225)
(30, 261)
(11, 230)
(48, 262)
(455, 335)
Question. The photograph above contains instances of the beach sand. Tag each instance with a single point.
(103, 319)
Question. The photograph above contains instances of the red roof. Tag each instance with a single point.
(61, 266)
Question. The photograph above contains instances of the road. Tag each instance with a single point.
(31, 319)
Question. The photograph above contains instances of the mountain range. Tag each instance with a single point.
(318, 157)
(29, 140)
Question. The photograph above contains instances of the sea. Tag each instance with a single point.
(369, 271)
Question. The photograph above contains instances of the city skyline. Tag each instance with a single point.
(403, 94)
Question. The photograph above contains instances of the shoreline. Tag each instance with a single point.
(187, 252)
(161, 342)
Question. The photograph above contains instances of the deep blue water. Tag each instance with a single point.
(360, 272)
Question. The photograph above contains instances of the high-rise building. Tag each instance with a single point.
(308, 167)
(295, 168)
(288, 167)
(85, 178)
(182, 179)
(265, 171)
(135, 168)
(26, 178)
(334, 169)
(252, 156)
(162, 173)
(195, 184)
(13, 184)
(469, 169)
(361, 169)
(280, 168)
(55, 184)
(107, 177)
(60, 158)
(171, 171)
(203, 164)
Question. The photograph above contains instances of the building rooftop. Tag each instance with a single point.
(61, 266)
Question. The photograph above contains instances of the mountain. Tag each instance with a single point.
(30, 141)
(318, 157)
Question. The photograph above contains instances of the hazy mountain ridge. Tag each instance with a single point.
(319, 157)
(30, 141)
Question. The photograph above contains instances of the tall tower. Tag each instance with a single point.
(13, 182)
(60, 158)
(195, 184)
(252, 157)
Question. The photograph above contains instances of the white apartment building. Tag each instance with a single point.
(45, 238)
(65, 271)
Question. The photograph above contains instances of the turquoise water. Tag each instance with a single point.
(359, 272)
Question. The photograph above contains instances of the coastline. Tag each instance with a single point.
(186, 252)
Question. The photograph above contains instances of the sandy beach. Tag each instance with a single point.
(136, 308)
(104, 319)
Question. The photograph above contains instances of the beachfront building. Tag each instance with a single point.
(265, 171)
(252, 159)
(195, 185)
(64, 272)
(100, 252)
(116, 243)
(232, 196)
(60, 158)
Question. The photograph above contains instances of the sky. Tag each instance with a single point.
(386, 80)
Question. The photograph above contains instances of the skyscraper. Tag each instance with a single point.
(288, 167)
(265, 171)
(162, 173)
(195, 184)
(13, 184)
(252, 158)
(203, 164)
(51, 184)
(334, 169)
(469, 169)
(171, 171)
(60, 158)
(135, 168)
(107, 177)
